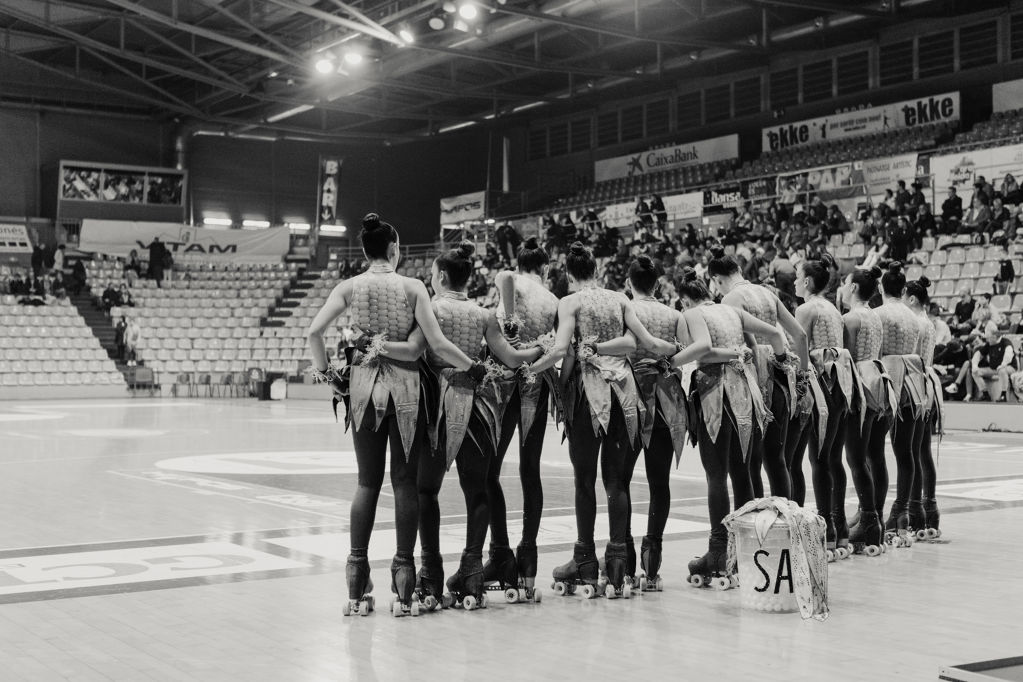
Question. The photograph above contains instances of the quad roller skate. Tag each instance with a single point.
(465, 587)
(501, 574)
(650, 556)
(868, 536)
(615, 582)
(630, 564)
(430, 583)
(842, 548)
(896, 528)
(525, 563)
(711, 569)
(830, 537)
(360, 601)
(917, 520)
(932, 518)
(583, 570)
(403, 584)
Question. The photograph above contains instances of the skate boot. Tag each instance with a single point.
(917, 520)
(896, 528)
(711, 569)
(842, 548)
(525, 562)
(830, 537)
(868, 536)
(430, 582)
(650, 556)
(932, 517)
(630, 563)
(500, 573)
(616, 563)
(583, 570)
(466, 585)
(360, 601)
(403, 584)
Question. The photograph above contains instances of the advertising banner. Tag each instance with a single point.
(119, 237)
(668, 158)
(723, 198)
(760, 189)
(14, 239)
(682, 206)
(1007, 96)
(330, 179)
(622, 215)
(882, 174)
(962, 169)
(841, 181)
(464, 208)
(905, 114)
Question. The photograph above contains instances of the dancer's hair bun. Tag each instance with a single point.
(466, 248)
(895, 267)
(689, 275)
(371, 222)
(532, 244)
(577, 249)
(717, 251)
(924, 282)
(644, 261)
(876, 272)
(828, 260)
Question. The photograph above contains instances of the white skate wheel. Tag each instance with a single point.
(370, 602)
(484, 602)
(921, 534)
(365, 607)
(643, 584)
(843, 552)
(719, 583)
(937, 532)
(696, 580)
(469, 603)
(522, 594)
(588, 591)
(430, 602)
(346, 608)
(733, 580)
(873, 550)
(626, 591)
(559, 589)
(932, 533)
(414, 609)
(659, 585)
(396, 609)
(511, 595)
(537, 596)
(830, 555)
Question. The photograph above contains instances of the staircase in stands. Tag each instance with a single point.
(102, 328)
(293, 298)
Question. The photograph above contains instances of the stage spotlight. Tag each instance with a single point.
(468, 11)
(460, 25)
(352, 57)
(325, 63)
(437, 22)
(449, 7)
(406, 34)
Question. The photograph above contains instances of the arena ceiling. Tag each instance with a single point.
(249, 67)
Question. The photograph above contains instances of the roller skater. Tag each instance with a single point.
(380, 391)
(710, 570)
(925, 479)
(726, 406)
(900, 341)
(528, 311)
(776, 377)
(875, 405)
(836, 376)
(466, 426)
(403, 585)
(582, 570)
(430, 583)
(602, 408)
(360, 600)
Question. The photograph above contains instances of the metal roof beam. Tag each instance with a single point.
(827, 7)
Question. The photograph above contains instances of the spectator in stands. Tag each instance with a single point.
(917, 198)
(1010, 190)
(37, 260)
(592, 221)
(900, 238)
(567, 228)
(942, 333)
(887, 205)
(58, 287)
(993, 362)
(132, 268)
(923, 223)
(877, 252)
(951, 212)
(817, 210)
(981, 312)
(983, 190)
(132, 336)
(1000, 217)
(58, 258)
(952, 363)
(783, 272)
(836, 224)
(902, 198)
(110, 297)
(976, 219)
(119, 329)
(964, 311)
(659, 211)
(18, 286)
(1006, 271)
(124, 294)
(508, 241)
(158, 255)
(79, 278)
(643, 213)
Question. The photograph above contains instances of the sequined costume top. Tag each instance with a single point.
(826, 342)
(600, 317)
(460, 399)
(536, 313)
(878, 395)
(662, 395)
(736, 381)
(900, 344)
(759, 302)
(378, 305)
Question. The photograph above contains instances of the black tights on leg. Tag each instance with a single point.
(798, 438)
(822, 455)
(657, 457)
(472, 476)
(903, 437)
(857, 442)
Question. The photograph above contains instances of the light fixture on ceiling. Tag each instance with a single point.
(255, 224)
(449, 7)
(694, 55)
(272, 74)
(406, 34)
(353, 57)
(298, 227)
(456, 126)
(468, 11)
(217, 222)
(437, 21)
(333, 229)
(461, 25)
(325, 63)
(818, 23)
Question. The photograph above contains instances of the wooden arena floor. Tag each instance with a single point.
(205, 540)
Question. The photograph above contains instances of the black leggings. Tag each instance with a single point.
(371, 454)
(473, 466)
(904, 443)
(795, 446)
(925, 474)
(657, 457)
(826, 458)
(769, 448)
(722, 459)
(617, 459)
(530, 448)
(864, 451)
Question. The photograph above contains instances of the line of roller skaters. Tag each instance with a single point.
(443, 381)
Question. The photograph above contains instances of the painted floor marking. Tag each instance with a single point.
(996, 491)
(270, 463)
